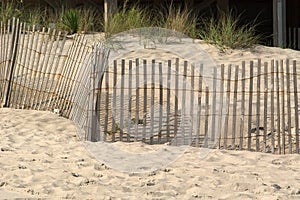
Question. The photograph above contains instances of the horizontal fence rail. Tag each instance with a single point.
(254, 106)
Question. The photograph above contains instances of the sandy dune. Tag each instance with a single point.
(41, 157)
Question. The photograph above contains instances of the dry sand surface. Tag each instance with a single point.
(41, 157)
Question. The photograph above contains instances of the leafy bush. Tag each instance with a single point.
(226, 32)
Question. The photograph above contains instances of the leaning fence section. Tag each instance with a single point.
(43, 70)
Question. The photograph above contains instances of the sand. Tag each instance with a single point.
(41, 156)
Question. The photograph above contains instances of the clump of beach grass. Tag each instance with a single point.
(70, 20)
(10, 9)
(227, 32)
(127, 18)
(89, 19)
(178, 18)
(33, 17)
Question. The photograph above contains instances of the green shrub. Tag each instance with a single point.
(226, 32)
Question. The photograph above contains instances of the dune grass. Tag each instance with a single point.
(10, 9)
(70, 21)
(127, 18)
(227, 32)
(177, 18)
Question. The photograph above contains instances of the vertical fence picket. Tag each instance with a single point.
(114, 105)
(176, 100)
(192, 115)
(289, 110)
(282, 105)
(105, 130)
(234, 114)
(152, 123)
(145, 100)
(92, 127)
(221, 97)
(242, 119)
(250, 105)
(122, 99)
(206, 136)
(257, 135)
(214, 99)
(272, 106)
(183, 128)
(128, 121)
(199, 108)
(296, 109)
(278, 107)
(7, 48)
(161, 99)
(137, 97)
(227, 114)
(265, 106)
(168, 99)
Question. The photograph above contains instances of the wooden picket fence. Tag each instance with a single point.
(253, 106)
